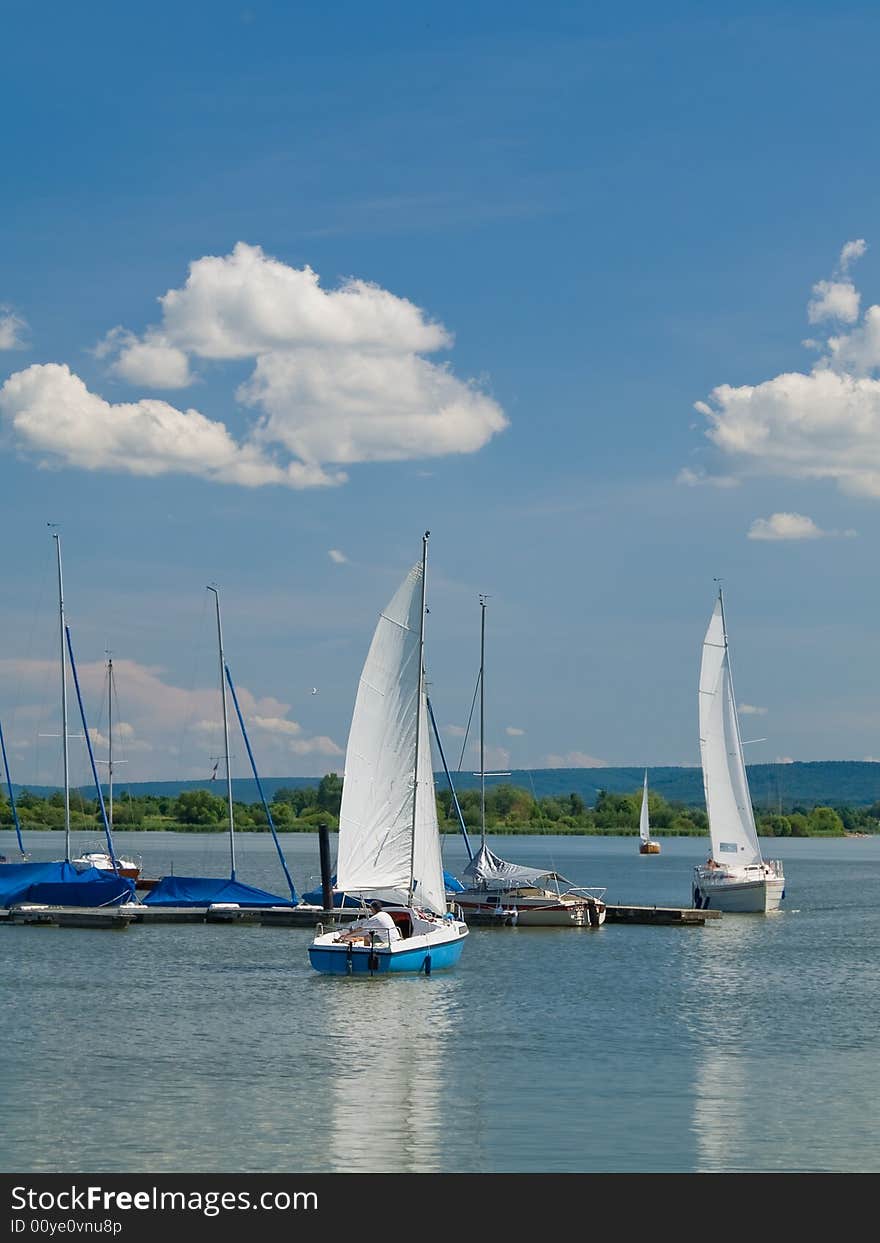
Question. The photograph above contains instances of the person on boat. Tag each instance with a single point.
(380, 922)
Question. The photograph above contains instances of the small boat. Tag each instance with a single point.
(647, 846)
(496, 891)
(100, 859)
(389, 840)
(735, 877)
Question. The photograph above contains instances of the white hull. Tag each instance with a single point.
(533, 912)
(102, 861)
(738, 893)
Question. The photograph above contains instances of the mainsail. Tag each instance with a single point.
(385, 845)
(728, 801)
(644, 822)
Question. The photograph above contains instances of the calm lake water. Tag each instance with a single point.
(747, 1045)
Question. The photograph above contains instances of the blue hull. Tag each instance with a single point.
(410, 962)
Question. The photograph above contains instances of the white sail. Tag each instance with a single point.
(644, 822)
(381, 843)
(728, 801)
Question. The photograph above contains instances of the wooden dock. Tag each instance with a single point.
(111, 917)
(687, 916)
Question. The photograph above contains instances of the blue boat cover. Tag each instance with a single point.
(203, 890)
(315, 896)
(60, 884)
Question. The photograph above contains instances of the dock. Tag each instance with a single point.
(684, 915)
(116, 917)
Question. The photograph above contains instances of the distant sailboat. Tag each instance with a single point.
(735, 877)
(646, 845)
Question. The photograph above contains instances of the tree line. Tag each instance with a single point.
(508, 809)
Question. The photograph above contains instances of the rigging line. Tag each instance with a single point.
(197, 655)
(470, 718)
(461, 822)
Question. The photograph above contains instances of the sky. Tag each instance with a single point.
(591, 292)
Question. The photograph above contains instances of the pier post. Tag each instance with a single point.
(326, 885)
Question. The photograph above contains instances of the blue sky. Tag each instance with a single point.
(483, 269)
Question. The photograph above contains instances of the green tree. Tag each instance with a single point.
(198, 807)
(825, 820)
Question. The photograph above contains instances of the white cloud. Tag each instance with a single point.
(152, 362)
(573, 759)
(751, 710)
(514, 732)
(55, 416)
(699, 478)
(339, 378)
(787, 526)
(783, 759)
(852, 251)
(784, 526)
(834, 300)
(335, 555)
(821, 424)
(454, 731)
(12, 329)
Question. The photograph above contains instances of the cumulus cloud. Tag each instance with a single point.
(454, 731)
(151, 361)
(57, 418)
(335, 555)
(834, 300)
(574, 759)
(787, 526)
(12, 329)
(339, 377)
(751, 710)
(817, 424)
(513, 732)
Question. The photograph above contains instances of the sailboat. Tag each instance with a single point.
(222, 893)
(59, 883)
(735, 877)
(97, 856)
(507, 892)
(646, 845)
(389, 840)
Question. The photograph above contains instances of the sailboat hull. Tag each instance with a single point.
(417, 955)
(738, 895)
(531, 913)
(649, 848)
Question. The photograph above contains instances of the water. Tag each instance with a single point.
(747, 1045)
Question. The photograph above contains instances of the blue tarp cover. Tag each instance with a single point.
(203, 890)
(60, 884)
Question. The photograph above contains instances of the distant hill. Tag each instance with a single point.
(853, 783)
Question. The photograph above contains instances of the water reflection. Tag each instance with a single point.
(388, 1081)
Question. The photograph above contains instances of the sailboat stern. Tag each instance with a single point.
(754, 890)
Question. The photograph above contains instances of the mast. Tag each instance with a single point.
(64, 740)
(225, 737)
(421, 683)
(11, 795)
(110, 740)
(482, 722)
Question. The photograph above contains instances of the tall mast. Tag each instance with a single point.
(421, 685)
(482, 722)
(110, 739)
(64, 740)
(225, 737)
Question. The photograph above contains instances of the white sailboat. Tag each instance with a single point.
(389, 840)
(509, 893)
(647, 846)
(735, 877)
